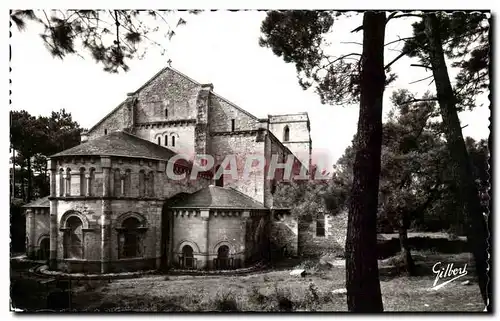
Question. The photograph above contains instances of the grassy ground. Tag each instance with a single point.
(276, 290)
(433, 235)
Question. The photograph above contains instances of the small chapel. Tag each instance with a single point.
(112, 208)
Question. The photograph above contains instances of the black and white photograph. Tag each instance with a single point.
(263, 160)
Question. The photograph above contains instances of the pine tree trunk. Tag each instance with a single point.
(409, 264)
(362, 277)
(476, 228)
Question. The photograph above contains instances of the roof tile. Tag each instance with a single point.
(119, 143)
(216, 197)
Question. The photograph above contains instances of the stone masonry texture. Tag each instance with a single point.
(103, 188)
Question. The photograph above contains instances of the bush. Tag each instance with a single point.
(225, 302)
(312, 298)
(282, 299)
(256, 297)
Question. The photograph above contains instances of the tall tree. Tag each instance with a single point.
(112, 37)
(298, 37)
(35, 139)
(363, 285)
(477, 232)
(464, 36)
(26, 136)
(413, 161)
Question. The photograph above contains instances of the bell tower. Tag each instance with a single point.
(294, 131)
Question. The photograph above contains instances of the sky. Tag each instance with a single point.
(220, 48)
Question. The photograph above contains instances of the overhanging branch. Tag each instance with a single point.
(357, 29)
(403, 16)
(423, 66)
(419, 100)
(400, 39)
(340, 58)
(413, 82)
(395, 59)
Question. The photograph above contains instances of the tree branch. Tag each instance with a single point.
(419, 100)
(423, 66)
(395, 59)
(340, 58)
(357, 29)
(413, 82)
(352, 42)
(403, 16)
(400, 39)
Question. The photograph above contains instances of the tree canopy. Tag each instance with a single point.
(34, 139)
(111, 37)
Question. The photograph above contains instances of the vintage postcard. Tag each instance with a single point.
(250, 161)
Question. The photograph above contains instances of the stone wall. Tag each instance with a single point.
(302, 150)
(184, 133)
(77, 166)
(332, 243)
(89, 211)
(168, 90)
(118, 119)
(130, 167)
(37, 229)
(172, 105)
(275, 147)
(224, 227)
(227, 230)
(300, 138)
(241, 145)
(221, 112)
(90, 208)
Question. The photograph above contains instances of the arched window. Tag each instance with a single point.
(105, 132)
(117, 183)
(73, 243)
(67, 188)
(233, 125)
(82, 181)
(130, 238)
(151, 184)
(173, 140)
(126, 183)
(223, 260)
(166, 140)
(187, 259)
(166, 113)
(90, 176)
(286, 134)
(61, 182)
(320, 225)
(142, 183)
(159, 140)
(43, 250)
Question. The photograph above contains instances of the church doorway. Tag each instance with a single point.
(43, 251)
(187, 259)
(223, 260)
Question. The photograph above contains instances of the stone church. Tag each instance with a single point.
(112, 208)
